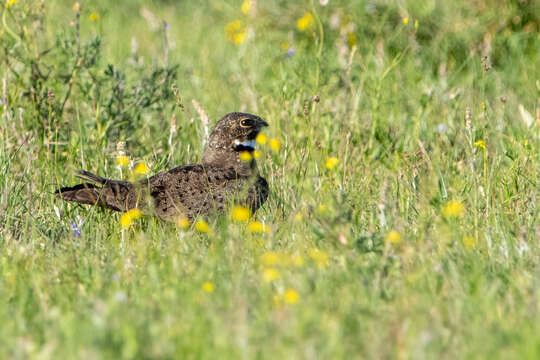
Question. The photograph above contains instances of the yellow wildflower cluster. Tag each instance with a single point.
(245, 156)
(270, 274)
(202, 227)
(331, 162)
(140, 169)
(243, 214)
(453, 209)
(246, 7)
(274, 144)
(406, 22)
(469, 242)
(240, 213)
(94, 16)
(480, 144)
(305, 21)
(208, 287)
(126, 219)
(291, 296)
(10, 3)
(393, 237)
(122, 161)
(258, 227)
(236, 32)
(261, 139)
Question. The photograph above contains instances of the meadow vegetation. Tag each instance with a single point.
(403, 157)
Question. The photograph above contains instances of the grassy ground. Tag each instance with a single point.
(422, 242)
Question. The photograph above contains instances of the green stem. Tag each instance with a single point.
(8, 29)
(321, 42)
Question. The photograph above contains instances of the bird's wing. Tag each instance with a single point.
(178, 192)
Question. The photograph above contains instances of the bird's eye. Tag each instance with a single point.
(246, 123)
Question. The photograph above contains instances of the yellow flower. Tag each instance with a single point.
(126, 219)
(405, 20)
(320, 257)
(202, 226)
(240, 213)
(245, 156)
(261, 139)
(291, 296)
(321, 208)
(331, 162)
(274, 144)
(140, 169)
(94, 16)
(453, 209)
(10, 3)
(236, 32)
(208, 287)
(480, 144)
(240, 37)
(270, 258)
(270, 274)
(122, 161)
(393, 236)
(258, 227)
(298, 216)
(246, 7)
(469, 242)
(183, 222)
(285, 45)
(305, 21)
(257, 154)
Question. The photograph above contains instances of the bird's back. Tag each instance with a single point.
(193, 190)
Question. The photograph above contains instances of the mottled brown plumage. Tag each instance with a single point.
(189, 190)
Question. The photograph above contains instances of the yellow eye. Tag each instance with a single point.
(246, 123)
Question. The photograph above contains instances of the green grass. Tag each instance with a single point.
(392, 108)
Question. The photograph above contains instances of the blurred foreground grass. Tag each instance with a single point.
(403, 218)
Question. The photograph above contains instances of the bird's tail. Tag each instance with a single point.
(88, 176)
(115, 195)
(83, 193)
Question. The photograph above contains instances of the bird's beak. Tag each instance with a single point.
(262, 123)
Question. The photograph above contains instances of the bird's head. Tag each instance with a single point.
(233, 134)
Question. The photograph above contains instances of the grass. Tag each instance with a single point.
(417, 244)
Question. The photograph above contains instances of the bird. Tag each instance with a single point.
(189, 191)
